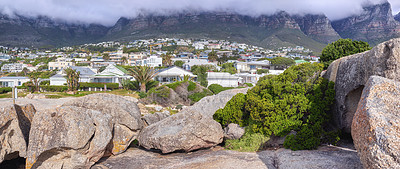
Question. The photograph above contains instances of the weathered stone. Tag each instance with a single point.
(185, 131)
(154, 118)
(376, 124)
(233, 131)
(351, 73)
(68, 137)
(325, 157)
(126, 117)
(191, 129)
(35, 96)
(15, 123)
(276, 141)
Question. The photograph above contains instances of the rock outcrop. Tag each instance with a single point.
(126, 117)
(351, 73)
(15, 124)
(233, 131)
(154, 118)
(81, 131)
(68, 137)
(191, 129)
(376, 124)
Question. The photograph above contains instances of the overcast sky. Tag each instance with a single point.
(107, 12)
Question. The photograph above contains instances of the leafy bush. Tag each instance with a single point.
(45, 82)
(249, 84)
(216, 88)
(149, 85)
(5, 90)
(297, 99)
(111, 86)
(161, 91)
(261, 71)
(341, 48)
(142, 95)
(232, 112)
(54, 88)
(195, 97)
(192, 86)
(249, 142)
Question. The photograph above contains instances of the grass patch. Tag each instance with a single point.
(250, 142)
(195, 97)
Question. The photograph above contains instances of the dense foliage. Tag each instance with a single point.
(297, 99)
(228, 67)
(201, 72)
(341, 48)
(282, 62)
(179, 63)
(250, 141)
(5, 90)
(216, 88)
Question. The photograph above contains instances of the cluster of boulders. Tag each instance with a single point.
(367, 102)
(80, 132)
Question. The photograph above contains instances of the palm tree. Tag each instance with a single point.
(124, 60)
(34, 77)
(72, 79)
(143, 74)
(166, 59)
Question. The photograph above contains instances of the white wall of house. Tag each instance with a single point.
(12, 81)
(223, 79)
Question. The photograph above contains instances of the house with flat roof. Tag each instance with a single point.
(222, 78)
(11, 81)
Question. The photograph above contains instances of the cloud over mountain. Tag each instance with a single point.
(107, 12)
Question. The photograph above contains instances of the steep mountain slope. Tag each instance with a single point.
(374, 25)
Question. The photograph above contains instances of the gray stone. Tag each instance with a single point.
(351, 73)
(216, 158)
(154, 118)
(126, 117)
(233, 131)
(191, 129)
(376, 124)
(15, 124)
(68, 137)
(276, 141)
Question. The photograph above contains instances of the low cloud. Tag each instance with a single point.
(107, 12)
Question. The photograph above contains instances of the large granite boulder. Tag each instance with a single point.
(191, 129)
(376, 124)
(126, 117)
(233, 131)
(15, 123)
(155, 117)
(68, 137)
(351, 73)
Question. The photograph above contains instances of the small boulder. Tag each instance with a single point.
(233, 131)
(68, 137)
(191, 129)
(154, 118)
(126, 117)
(376, 124)
(15, 124)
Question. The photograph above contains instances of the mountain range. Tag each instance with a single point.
(375, 24)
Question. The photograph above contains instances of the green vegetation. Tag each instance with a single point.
(5, 90)
(162, 91)
(341, 48)
(228, 67)
(216, 88)
(297, 99)
(201, 72)
(249, 142)
(72, 77)
(179, 63)
(282, 62)
(195, 97)
(249, 84)
(261, 71)
(143, 74)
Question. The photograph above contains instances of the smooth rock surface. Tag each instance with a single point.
(376, 124)
(68, 137)
(351, 73)
(191, 129)
(217, 158)
(15, 124)
(154, 118)
(126, 117)
(233, 131)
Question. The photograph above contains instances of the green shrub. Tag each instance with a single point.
(261, 71)
(192, 86)
(249, 84)
(233, 112)
(216, 88)
(112, 86)
(174, 85)
(53, 96)
(195, 97)
(249, 142)
(5, 90)
(142, 95)
(297, 99)
(161, 91)
(45, 82)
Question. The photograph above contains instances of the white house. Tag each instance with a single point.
(112, 74)
(13, 67)
(222, 78)
(172, 74)
(152, 61)
(252, 66)
(12, 81)
(249, 78)
(60, 63)
(85, 75)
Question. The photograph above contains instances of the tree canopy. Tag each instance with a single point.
(341, 48)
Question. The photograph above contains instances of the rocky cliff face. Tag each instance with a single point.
(319, 27)
(374, 25)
